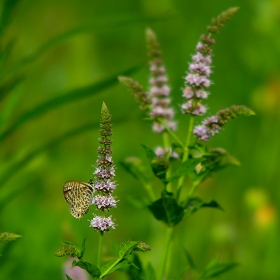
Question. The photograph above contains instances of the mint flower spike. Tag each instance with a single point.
(214, 124)
(136, 89)
(104, 174)
(197, 79)
(159, 90)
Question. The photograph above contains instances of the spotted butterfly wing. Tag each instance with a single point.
(79, 196)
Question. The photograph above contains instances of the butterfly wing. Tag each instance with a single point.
(79, 197)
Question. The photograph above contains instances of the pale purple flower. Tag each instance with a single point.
(102, 223)
(105, 186)
(199, 110)
(188, 92)
(157, 127)
(209, 127)
(163, 90)
(104, 202)
(160, 152)
(196, 80)
(201, 94)
(162, 112)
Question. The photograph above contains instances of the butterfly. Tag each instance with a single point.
(79, 196)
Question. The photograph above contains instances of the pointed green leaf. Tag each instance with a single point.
(150, 273)
(90, 268)
(185, 169)
(134, 273)
(167, 210)
(127, 248)
(68, 277)
(150, 154)
(9, 86)
(190, 260)
(159, 166)
(215, 269)
(193, 204)
(110, 267)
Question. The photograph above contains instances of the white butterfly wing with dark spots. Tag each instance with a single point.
(79, 196)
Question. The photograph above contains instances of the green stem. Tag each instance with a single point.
(167, 147)
(99, 249)
(164, 255)
(170, 132)
(108, 270)
(149, 189)
(185, 155)
(192, 190)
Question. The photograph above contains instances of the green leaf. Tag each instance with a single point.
(159, 166)
(68, 277)
(9, 86)
(150, 154)
(135, 271)
(90, 268)
(167, 210)
(193, 204)
(69, 249)
(150, 273)
(7, 10)
(62, 99)
(190, 260)
(110, 267)
(127, 248)
(185, 169)
(135, 167)
(214, 269)
(214, 160)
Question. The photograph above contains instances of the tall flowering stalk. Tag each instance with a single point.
(156, 101)
(159, 89)
(104, 174)
(195, 161)
(104, 184)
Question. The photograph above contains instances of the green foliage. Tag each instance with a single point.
(193, 204)
(166, 209)
(68, 277)
(185, 169)
(69, 249)
(214, 269)
(60, 100)
(90, 268)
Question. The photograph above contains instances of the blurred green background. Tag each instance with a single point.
(54, 54)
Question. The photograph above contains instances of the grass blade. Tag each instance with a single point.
(63, 99)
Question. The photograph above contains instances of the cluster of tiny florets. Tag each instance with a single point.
(102, 223)
(104, 174)
(208, 128)
(159, 90)
(197, 79)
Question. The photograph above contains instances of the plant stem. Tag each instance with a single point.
(149, 189)
(164, 255)
(107, 270)
(171, 132)
(99, 249)
(185, 155)
(167, 147)
(192, 190)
